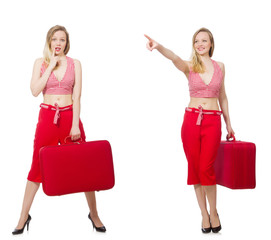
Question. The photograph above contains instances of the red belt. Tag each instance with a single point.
(201, 112)
(57, 109)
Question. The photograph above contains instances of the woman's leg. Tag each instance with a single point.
(65, 124)
(30, 192)
(46, 134)
(192, 148)
(201, 197)
(211, 136)
(91, 200)
(211, 196)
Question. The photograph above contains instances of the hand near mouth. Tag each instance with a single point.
(54, 60)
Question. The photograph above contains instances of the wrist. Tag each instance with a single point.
(228, 123)
(159, 47)
(50, 68)
(228, 126)
(75, 125)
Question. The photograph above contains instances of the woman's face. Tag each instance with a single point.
(202, 43)
(58, 42)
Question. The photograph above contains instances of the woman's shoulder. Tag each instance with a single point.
(220, 64)
(76, 64)
(75, 61)
(221, 67)
(39, 61)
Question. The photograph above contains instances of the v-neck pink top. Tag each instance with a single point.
(63, 87)
(199, 89)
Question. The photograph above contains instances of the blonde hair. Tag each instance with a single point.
(197, 64)
(47, 52)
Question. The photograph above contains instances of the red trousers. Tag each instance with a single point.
(53, 127)
(201, 135)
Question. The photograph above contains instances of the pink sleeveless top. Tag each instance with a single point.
(199, 89)
(63, 87)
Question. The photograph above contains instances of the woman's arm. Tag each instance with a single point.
(39, 82)
(177, 61)
(75, 131)
(223, 102)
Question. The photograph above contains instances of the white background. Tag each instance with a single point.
(136, 100)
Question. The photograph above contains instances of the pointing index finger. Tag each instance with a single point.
(147, 37)
(54, 52)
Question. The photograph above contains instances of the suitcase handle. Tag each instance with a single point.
(232, 137)
(78, 141)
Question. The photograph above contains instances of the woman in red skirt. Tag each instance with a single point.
(59, 78)
(201, 129)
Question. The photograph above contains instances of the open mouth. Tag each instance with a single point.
(57, 49)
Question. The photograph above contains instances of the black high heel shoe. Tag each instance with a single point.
(20, 231)
(207, 230)
(98, 229)
(218, 228)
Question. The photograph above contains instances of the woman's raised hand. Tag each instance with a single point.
(53, 60)
(151, 44)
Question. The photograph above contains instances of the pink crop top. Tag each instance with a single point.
(199, 89)
(63, 87)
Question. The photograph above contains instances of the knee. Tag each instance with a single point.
(207, 175)
(206, 170)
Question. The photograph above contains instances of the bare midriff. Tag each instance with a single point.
(206, 103)
(61, 100)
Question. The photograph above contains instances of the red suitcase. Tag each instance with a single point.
(72, 168)
(235, 164)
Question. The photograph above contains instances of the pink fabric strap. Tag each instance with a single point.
(57, 115)
(200, 117)
(57, 109)
(202, 112)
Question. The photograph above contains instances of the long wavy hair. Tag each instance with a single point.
(197, 64)
(47, 52)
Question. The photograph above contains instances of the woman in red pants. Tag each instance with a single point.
(59, 78)
(201, 129)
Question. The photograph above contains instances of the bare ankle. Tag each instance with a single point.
(94, 214)
(24, 216)
(205, 214)
(213, 213)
